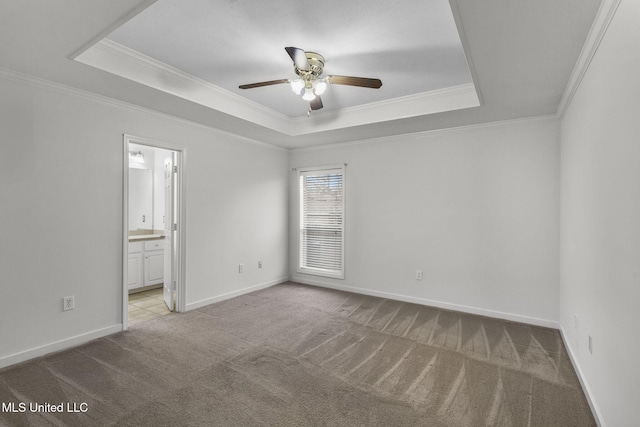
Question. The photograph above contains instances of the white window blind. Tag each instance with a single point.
(321, 243)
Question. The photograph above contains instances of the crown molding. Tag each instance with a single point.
(455, 11)
(37, 82)
(417, 136)
(128, 63)
(32, 81)
(601, 23)
(436, 101)
(115, 25)
(117, 59)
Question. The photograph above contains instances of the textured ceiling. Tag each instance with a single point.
(412, 46)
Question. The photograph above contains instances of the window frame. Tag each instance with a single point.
(333, 274)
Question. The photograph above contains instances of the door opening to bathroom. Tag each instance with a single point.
(153, 284)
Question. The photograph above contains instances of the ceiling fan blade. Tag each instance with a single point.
(269, 83)
(299, 57)
(355, 81)
(316, 104)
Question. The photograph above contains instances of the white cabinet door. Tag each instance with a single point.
(146, 263)
(153, 268)
(134, 269)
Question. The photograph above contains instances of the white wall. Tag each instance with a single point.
(600, 222)
(476, 209)
(61, 174)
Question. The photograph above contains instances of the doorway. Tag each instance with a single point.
(153, 240)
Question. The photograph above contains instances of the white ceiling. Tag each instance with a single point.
(520, 53)
(412, 46)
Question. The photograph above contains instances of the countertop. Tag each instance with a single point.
(141, 237)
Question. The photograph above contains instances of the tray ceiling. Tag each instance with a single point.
(443, 63)
(413, 46)
(203, 50)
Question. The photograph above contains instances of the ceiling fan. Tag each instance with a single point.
(308, 66)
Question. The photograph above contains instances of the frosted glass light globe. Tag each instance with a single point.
(297, 86)
(319, 86)
(308, 94)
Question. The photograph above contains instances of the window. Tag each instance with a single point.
(321, 240)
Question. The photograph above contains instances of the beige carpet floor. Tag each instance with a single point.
(295, 355)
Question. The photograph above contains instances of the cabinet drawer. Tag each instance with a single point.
(135, 247)
(153, 245)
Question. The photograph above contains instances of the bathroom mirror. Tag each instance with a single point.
(140, 199)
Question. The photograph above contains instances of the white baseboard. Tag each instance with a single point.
(66, 343)
(474, 310)
(583, 382)
(207, 301)
(433, 303)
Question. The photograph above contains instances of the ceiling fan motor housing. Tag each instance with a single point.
(316, 66)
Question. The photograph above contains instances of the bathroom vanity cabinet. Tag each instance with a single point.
(146, 263)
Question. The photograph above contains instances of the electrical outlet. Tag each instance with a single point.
(575, 321)
(259, 264)
(240, 268)
(68, 303)
(590, 344)
(418, 274)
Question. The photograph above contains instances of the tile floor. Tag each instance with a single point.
(146, 305)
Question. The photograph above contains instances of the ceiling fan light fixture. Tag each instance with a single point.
(297, 86)
(309, 66)
(319, 86)
(308, 94)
